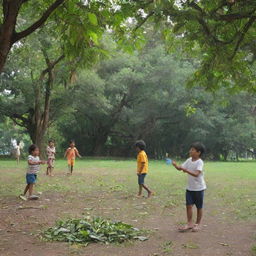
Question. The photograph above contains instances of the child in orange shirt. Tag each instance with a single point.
(71, 154)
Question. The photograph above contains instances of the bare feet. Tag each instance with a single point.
(185, 228)
(23, 197)
(150, 194)
(196, 228)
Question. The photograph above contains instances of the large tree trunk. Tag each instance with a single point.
(40, 118)
(7, 29)
(37, 137)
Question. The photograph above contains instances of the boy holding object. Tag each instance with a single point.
(142, 166)
(193, 166)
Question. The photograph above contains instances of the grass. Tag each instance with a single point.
(253, 250)
(231, 185)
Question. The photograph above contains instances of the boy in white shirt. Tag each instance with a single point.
(193, 166)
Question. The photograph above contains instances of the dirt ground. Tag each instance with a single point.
(21, 223)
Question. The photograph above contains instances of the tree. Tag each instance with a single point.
(158, 108)
(78, 23)
(8, 34)
(31, 94)
(125, 99)
(220, 34)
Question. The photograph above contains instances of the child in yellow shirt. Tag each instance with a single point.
(142, 166)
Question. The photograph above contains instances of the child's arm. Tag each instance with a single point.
(66, 152)
(142, 167)
(30, 162)
(195, 173)
(77, 153)
(179, 168)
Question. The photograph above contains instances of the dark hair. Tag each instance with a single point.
(32, 148)
(140, 144)
(51, 140)
(71, 141)
(199, 147)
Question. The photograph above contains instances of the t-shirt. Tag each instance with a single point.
(18, 150)
(33, 168)
(142, 158)
(51, 152)
(71, 153)
(195, 183)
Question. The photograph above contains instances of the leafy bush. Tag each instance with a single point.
(89, 230)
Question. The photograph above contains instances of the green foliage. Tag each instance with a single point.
(90, 230)
(144, 95)
(8, 131)
(218, 34)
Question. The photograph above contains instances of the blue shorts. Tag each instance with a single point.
(195, 197)
(141, 178)
(31, 178)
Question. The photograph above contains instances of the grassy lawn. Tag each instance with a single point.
(107, 188)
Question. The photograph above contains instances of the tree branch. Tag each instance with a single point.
(242, 35)
(144, 20)
(39, 23)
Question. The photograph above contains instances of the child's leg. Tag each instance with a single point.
(71, 168)
(26, 190)
(189, 211)
(189, 215)
(147, 189)
(140, 190)
(199, 216)
(199, 199)
(141, 181)
(30, 189)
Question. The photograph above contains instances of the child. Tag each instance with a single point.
(51, 157)
(17, 152)
(142, 167)
(71, 154)
(193, 166)
(33, 168)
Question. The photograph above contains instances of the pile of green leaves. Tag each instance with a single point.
(90, 230)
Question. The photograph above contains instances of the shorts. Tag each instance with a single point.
(50, 162)
(31, 178)
(141, 178)
(195, 197)
(71, 162)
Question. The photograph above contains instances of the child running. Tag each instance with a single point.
(50, 150)
(193, 166)
(33, 168)
(142, 166)
(71, 154)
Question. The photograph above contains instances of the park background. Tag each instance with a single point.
(106, 73)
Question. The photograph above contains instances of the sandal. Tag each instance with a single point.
(196, 228)
(185, 228)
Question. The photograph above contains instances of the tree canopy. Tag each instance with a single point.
(220, 34)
